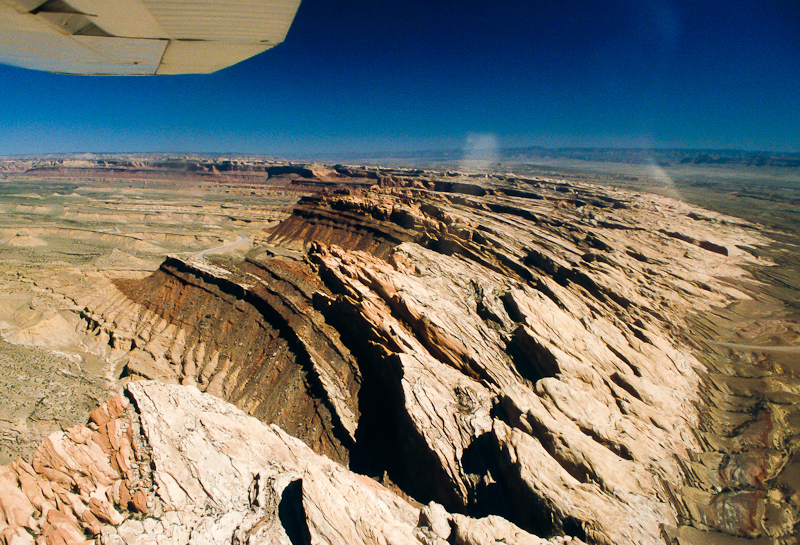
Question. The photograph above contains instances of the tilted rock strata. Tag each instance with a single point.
(503, 349)
(180, 466)
(603, 481)
(260, 344)
(556, 327)
(77, 482)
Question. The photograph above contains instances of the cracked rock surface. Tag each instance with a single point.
(175, 465)
(443, 359)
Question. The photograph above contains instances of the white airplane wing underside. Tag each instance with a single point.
(139, 37)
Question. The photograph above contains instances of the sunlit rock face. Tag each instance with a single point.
(521, 355)
(169, 464)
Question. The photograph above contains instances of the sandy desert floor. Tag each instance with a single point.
(63, 237)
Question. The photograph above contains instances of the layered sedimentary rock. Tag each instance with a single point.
(513, 350)
(179, 466)
(260, 345)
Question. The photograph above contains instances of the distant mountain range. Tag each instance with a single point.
(663, 157)
(659, 156)
(529, 154)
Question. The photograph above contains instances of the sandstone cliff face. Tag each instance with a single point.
(179, 466)
(516, 351)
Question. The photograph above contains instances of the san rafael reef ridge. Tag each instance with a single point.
(411, 356)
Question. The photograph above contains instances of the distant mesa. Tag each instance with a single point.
(138, 37)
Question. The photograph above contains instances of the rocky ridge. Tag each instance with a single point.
(516, 350)
(178, 466)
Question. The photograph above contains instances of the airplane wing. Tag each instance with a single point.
(139, 37)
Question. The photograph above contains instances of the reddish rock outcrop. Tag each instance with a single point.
(249, 334)
(178, 466)
(80, 480)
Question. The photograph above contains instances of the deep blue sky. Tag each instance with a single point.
(419, 74)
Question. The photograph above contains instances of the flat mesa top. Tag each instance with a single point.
(139, 37)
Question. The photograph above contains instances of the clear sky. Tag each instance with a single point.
(364, 75)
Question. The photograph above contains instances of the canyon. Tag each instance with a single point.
(309, 353)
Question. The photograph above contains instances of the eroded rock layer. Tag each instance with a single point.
(178, 466)
(504, 347)
(260, 344)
